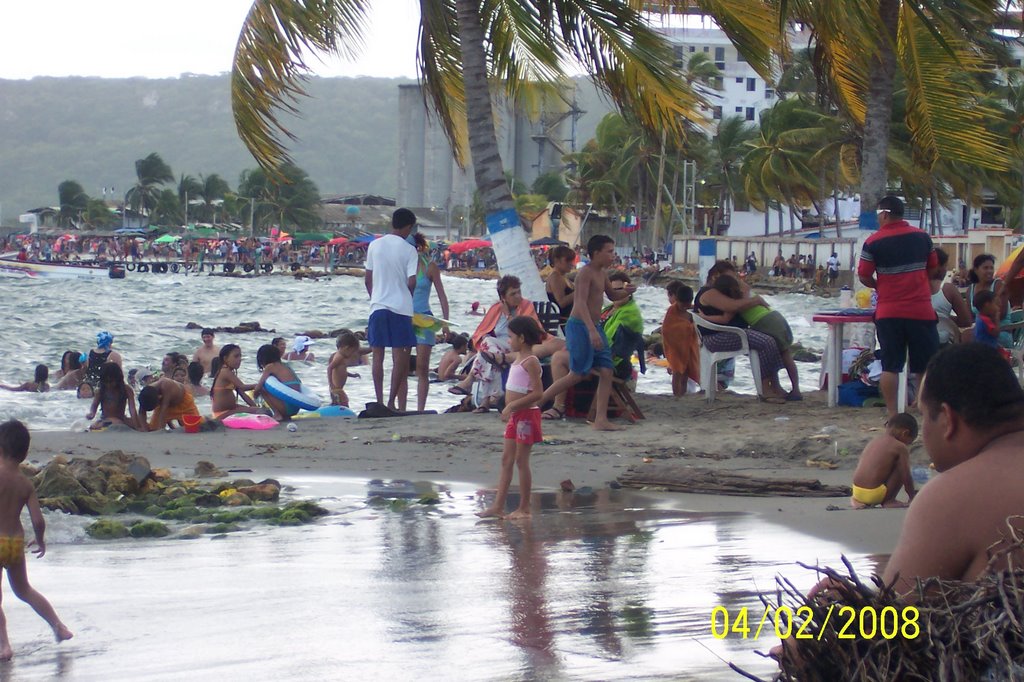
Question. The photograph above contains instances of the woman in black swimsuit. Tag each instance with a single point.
(100, 354)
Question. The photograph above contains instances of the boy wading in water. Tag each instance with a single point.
(16, 492)
(522, 394)
(586, 342)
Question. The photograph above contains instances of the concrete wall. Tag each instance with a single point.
(685, 250)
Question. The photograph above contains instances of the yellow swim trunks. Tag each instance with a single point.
(869, 496)
(12, 550)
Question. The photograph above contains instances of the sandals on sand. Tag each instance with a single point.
(553, 413)
(458, 390)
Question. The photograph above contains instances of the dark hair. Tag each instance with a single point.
(218, 362)
(904, 420)
(657, 348)
(976, 382)
(680, 292)
(14, 440)
(42, 374)
(267, 354)
(207, 332)
(619, 276)
(149, 398)
(942, 256)
(979, 260)
(459, 342)
(70, 360)
(110, 373)
(722, 266)
(559, 252)
(347, 339)
(728, 285)
(597, 242)
(983, 298)
(82, 386)
(421, 241)
(526, 327)
(274, 341)
(195, 372)
(891, 205)
(403, 218)
(508, 282)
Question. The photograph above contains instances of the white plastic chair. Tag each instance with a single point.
(708, 359)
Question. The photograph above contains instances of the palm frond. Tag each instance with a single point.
(269, 68)
(439, 62)
(944, 114)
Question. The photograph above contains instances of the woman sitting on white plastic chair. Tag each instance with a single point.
(716, 307)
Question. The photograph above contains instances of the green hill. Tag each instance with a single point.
(92, 130)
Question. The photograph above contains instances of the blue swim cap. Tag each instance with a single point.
(83, 358)
(104, 339)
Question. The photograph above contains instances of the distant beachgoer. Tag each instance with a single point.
(300, 350)
(172, 361)
(268, 360)
(85, 391)
(391, 265)
(103, 352)
(982, 278)
(168, 401)
(562, 260)
(679, 338)
(71, 371)
(833, 269)
(205, 354)
(953, 312)
(280, 344)
(348, 354)
(114, 398)
(195, 379)
(427, 275)
(452, 358)
(227, 387)
(38, 384)
(884, 466)
(474, 309)
(19, 493)
(523, 393)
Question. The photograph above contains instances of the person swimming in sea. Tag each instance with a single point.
(37, 385)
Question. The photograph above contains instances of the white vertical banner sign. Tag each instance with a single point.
(512, 250)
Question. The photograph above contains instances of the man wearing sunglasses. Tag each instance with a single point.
(896, 261)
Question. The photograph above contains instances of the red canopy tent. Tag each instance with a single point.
(469, 245)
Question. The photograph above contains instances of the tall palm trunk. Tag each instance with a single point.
(488, 171)
(879, 113)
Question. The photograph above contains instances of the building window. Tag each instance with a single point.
(1016, 62)
(769, 93)
(720, 66)
(739, 80)
(693, 48)
(716, 113)
(750, 113)
(739, 110)
(751, 84)
(706, 48)
(719, 54)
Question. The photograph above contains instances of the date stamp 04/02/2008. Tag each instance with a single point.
(784, 622)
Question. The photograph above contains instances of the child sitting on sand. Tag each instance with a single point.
(767, 321)
(17, 492)
(268, 360)
(884, 466)
(523, 391)
(37, 385)
(349, 354)
(113, 396)
(679, 337)
(452, 358)
(227, 386)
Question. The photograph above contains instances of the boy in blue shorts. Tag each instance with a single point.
(586, 342)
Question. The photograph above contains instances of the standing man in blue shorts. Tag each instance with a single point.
(390, 279)
(585, 340)
(897, 261)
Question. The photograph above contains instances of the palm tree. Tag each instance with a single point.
(73, 202)
(728, 149)
(212, 191)
(464, 46)
(167, 209)
(150, 173)
(189, 190)
(861, 46)
(288, 200)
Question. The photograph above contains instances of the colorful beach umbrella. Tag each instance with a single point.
(1004, 267)
(469, 245)
(338, 240)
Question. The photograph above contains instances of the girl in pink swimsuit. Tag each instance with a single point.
(523, 392)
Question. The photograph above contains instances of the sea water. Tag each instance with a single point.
(147, 315)
(610, 585)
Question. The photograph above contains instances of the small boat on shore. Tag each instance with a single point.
(10, 266)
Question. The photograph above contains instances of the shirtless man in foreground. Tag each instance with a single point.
(205, 354)
(586, 342)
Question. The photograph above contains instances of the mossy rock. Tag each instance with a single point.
(228, 517)
(237, 499)
(208, 500)
(153, 510)
(62, 504)
(107, 529)
(176, 491)
(149, 529)
(242, 482)
(139, 506)
(291, 517)
(184, 514)
(219, 528)
(184, 502)
(97, 505)
(311, 508)
(268, 512)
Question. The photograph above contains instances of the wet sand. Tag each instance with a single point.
(736, 433)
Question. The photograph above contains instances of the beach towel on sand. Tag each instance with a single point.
(679, 337)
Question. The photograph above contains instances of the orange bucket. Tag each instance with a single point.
(191, 422)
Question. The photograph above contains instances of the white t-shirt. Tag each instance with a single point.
(392, 261)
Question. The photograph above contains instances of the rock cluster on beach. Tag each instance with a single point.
(116, 483)
(240, 328)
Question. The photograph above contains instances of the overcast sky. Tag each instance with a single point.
(165, 38)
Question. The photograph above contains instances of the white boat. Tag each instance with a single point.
(10, 266)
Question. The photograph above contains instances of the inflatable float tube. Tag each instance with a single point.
(326, 411)
(304, 398)
(256, 422)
